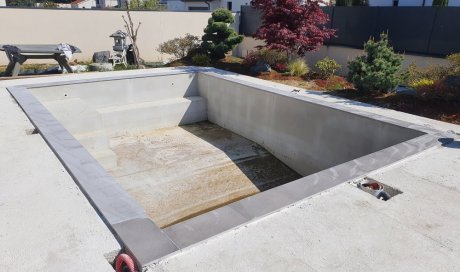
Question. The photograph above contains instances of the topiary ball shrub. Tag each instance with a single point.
(201, 60)
(379, 69)
(218, 37)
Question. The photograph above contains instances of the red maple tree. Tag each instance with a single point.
(293, 26)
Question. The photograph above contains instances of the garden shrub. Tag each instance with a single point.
(250, 59)
(434, 72)
(270, 56)
(333, 83)
(145, 5)
(218, 37)
(439, 91)
(344, 3)
(280, 67)
(454, 63)
(298, 67)
(295, 27)
(327, 67)
(201, 60)
(440, 3)
(422, 82)
(180, 47)
(379, 69)
(431, 72)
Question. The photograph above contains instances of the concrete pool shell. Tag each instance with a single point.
(325, 143)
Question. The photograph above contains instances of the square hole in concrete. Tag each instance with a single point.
(376, 188)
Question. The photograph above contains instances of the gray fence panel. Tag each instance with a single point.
(330, 12)
(250, 20)
(445, 37)
(409, 28)
(354, 25)
(422, 30)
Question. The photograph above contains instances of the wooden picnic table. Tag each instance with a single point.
(18, 53)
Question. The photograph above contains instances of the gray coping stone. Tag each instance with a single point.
(129, 222)
(144, 240)
(204, 226)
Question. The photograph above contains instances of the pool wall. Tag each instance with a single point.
(140, 236)
(305, 134)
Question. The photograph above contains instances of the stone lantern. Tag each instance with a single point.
(120, 48)
(119, 38)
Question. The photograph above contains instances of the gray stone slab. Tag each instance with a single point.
(204, 226)
(144, 240)
(274, 199)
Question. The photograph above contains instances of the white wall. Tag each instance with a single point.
(2, 3)
(90, 29)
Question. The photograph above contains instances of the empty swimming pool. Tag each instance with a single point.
(176, 156)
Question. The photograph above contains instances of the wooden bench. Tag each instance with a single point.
(19, 53)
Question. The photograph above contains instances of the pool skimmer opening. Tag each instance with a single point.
(377, 189)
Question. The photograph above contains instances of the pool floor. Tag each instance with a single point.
(180, 172)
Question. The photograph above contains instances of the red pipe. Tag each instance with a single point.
(124, 260)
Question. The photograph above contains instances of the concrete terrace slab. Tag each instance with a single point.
(47, 225)
(339, 229)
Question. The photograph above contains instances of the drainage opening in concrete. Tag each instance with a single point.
(31, 131)
(378, 189)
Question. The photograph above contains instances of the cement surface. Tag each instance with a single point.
(47, 223)
(177, 173)
(341, 229)
(345, 229)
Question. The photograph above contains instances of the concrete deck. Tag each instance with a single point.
(48, 225)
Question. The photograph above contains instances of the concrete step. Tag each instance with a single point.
(123, 91)
(94, 140)
(76, 115)
(146, 116)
